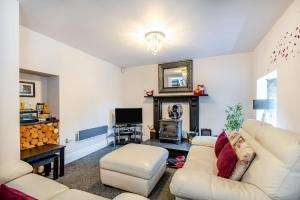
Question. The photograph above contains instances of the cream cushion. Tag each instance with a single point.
(37, 186)
(129, 196)
(137, 160)
(77, 195)
(200, 185)
(204, 141)
(201, 157)
(13, 169)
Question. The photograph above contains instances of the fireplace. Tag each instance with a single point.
(170, 130)
(193, 110)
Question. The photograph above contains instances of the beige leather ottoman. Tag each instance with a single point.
(134, 167)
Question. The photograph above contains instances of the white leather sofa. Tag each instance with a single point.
(17, 175)
(274, 173)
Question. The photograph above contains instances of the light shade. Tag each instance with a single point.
(264, 104)
(154, 40)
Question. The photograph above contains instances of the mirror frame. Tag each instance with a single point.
(162, 67)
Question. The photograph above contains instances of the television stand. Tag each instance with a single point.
(128, 133)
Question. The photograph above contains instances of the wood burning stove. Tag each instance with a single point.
(170, 130)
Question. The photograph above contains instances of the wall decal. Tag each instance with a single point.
(287, 46)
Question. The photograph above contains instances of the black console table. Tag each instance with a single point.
(43, 152)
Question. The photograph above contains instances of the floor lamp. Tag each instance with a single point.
(264, 104)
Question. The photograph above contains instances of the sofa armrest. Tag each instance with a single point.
(13, 169)
(207, 141)
(191, 184)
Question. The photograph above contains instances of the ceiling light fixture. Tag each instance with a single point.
(154, 40)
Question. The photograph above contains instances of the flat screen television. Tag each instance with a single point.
(129, 115)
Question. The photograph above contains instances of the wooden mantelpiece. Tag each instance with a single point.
(193, 106)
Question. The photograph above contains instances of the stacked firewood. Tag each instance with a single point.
(38, 135)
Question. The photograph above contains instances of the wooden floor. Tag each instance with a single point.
(184, 146)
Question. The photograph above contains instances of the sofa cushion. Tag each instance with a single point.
(37, 186)
(77, 195)
(207, 141)
(142, 161)
(220, 143)
(201, 158)
(129, 196)
(245, 155)
(198, 184)
(7, 193)
(13, 169)
(226, 161)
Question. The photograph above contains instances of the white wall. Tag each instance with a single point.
(288, 111)
(227, 79)
(9, 80)
(40, 89)
(53, 95)
(90, 88)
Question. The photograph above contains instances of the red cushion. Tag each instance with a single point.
(226, 161)
(7, 193)
(220, 143)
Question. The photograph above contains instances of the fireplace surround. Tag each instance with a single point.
(193, 109)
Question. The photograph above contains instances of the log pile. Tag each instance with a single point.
(38, 135)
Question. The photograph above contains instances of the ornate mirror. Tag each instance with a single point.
(175, 76)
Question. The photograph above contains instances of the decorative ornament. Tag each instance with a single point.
(200, 90)
(286, 46)
(175, 111)
(149, 93)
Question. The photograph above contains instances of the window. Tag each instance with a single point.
(267, 95)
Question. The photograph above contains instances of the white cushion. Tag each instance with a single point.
(204, 141)
(198, 184)
(77, 195)
(201, 158)
(37, 186)
(13, 169)
(129, 196)
(137, 160)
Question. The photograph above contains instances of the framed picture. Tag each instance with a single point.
(40, 108)
(27, 89)
(175, 76)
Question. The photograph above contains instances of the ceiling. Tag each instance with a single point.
(113, 30)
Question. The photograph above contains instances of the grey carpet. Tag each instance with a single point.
(83, 174)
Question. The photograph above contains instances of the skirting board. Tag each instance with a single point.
(79, 149)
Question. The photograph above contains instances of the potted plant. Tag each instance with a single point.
(234, 118)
